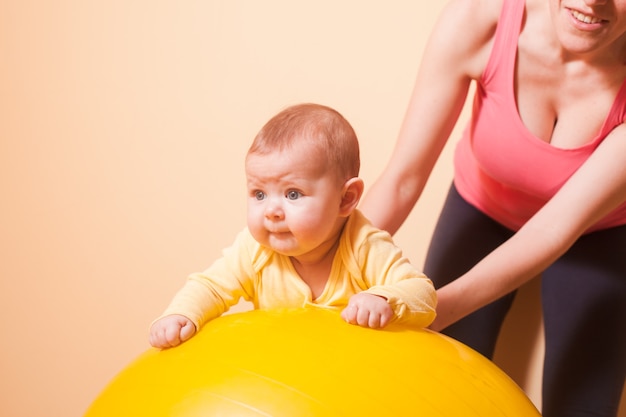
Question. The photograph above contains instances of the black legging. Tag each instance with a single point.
(584, 307)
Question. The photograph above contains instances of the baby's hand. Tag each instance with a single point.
(171, 331)
(368, 310)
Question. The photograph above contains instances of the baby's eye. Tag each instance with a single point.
(293, 195)
(259, 195)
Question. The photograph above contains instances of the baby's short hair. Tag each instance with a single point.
(316, 124)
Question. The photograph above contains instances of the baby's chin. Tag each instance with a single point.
(286, 244)
(283, 243)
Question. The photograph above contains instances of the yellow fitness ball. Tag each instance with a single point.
(309, 362)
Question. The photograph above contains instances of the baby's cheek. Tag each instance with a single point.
(258, 232)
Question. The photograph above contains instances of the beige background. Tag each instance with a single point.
(123, 127)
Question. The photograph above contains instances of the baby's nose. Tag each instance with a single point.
(273, 211)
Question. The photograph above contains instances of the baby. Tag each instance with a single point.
(305, 243)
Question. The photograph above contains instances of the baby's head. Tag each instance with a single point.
(302, 179)
(320, 131)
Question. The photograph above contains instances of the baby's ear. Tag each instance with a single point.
(351, 195)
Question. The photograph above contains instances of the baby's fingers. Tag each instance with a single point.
(187, 331)
(385, 317)
(349, 314)
(367, 318)
(171, 331)
(164, 337)
(172, 335)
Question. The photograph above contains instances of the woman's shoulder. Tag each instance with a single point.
(474, 16)
(469, 27)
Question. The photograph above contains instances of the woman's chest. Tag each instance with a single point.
(565, 104)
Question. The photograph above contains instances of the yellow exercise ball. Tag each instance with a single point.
(309, 362)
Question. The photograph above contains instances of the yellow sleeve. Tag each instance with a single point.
(413, 300)
(207, 295)
(389, 274)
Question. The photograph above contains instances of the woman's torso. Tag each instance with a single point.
(536, 118)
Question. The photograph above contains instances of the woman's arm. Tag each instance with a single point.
(456, 53)
(597, 188)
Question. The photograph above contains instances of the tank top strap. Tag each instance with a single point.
(617, 115)
(504, 51)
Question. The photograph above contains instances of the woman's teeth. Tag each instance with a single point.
(584, 18)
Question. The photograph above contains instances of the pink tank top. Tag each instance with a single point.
(500, 167)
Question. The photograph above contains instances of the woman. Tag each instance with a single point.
(539, 185)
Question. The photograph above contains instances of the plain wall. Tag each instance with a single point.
(123, 128)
